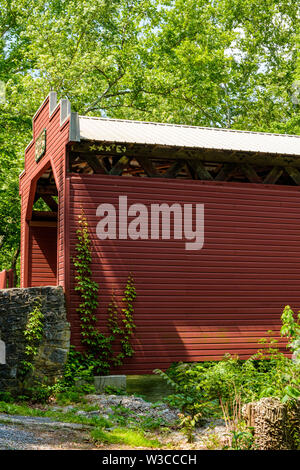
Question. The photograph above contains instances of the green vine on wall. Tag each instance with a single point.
(33, 334)
(126, 330)
(99, 346)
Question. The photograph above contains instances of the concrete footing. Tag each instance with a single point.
(114, 381)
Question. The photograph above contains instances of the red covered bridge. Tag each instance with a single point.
(192, 304)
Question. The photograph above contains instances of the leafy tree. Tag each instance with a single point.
(14, 128)
(223, 63)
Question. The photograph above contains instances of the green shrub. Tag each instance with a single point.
(6, 397)
(201, 384)
(202, 389)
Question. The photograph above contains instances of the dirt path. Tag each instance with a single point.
(43, 433)
(38, 433)
(25, 434)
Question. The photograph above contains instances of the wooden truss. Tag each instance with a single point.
(47, 192)
(161, 162)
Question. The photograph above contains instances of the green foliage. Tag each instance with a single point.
(147, 423)
(77, 380)
(241, 439)
(207, 383)
(122, 415)
(229, 63)
(99, 354)
(211, 388)
(189, 396)
(126, 329)
(6, 397)
(69, 396)
(34, 330)
(35, 393)
(291, 329)
(33, 334)
(188, 424)
(65, 417)
(125, 436)
(77, 367)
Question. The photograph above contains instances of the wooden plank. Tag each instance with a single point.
(3, 279)
(247, 268)
(273, 175)
(43, 249)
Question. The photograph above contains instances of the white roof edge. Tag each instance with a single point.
(188, 126)
(194, 137)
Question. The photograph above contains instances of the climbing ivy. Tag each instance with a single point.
(99, 346)
(33, 334)
(126, 329)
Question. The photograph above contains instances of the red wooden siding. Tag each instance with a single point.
(57, 138)
(196, 305)
(6, 279)
(43, 256)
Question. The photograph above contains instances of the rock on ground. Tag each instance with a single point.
(136, 405)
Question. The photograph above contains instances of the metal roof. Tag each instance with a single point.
(152, 133)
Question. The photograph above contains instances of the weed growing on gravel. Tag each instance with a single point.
(125, 436)
(147, 423)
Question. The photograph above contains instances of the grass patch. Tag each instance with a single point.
(69, 417)
(125, 436)
(24, 410)
(99, 433)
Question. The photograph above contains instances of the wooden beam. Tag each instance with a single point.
(273, 175)
(147, 166)
(200, 170)
(43, 223)
(294, 174)
(204, 155)
(44, 215)
(97, 165)
(174, 169)
(51, 203)
(251, 174)
(118, 168)
(36, 197)
(225, 172)
(49, 189)
(106, 162)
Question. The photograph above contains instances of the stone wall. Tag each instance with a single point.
(15, 307)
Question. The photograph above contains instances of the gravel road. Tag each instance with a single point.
(13, 438)
(40, 433)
